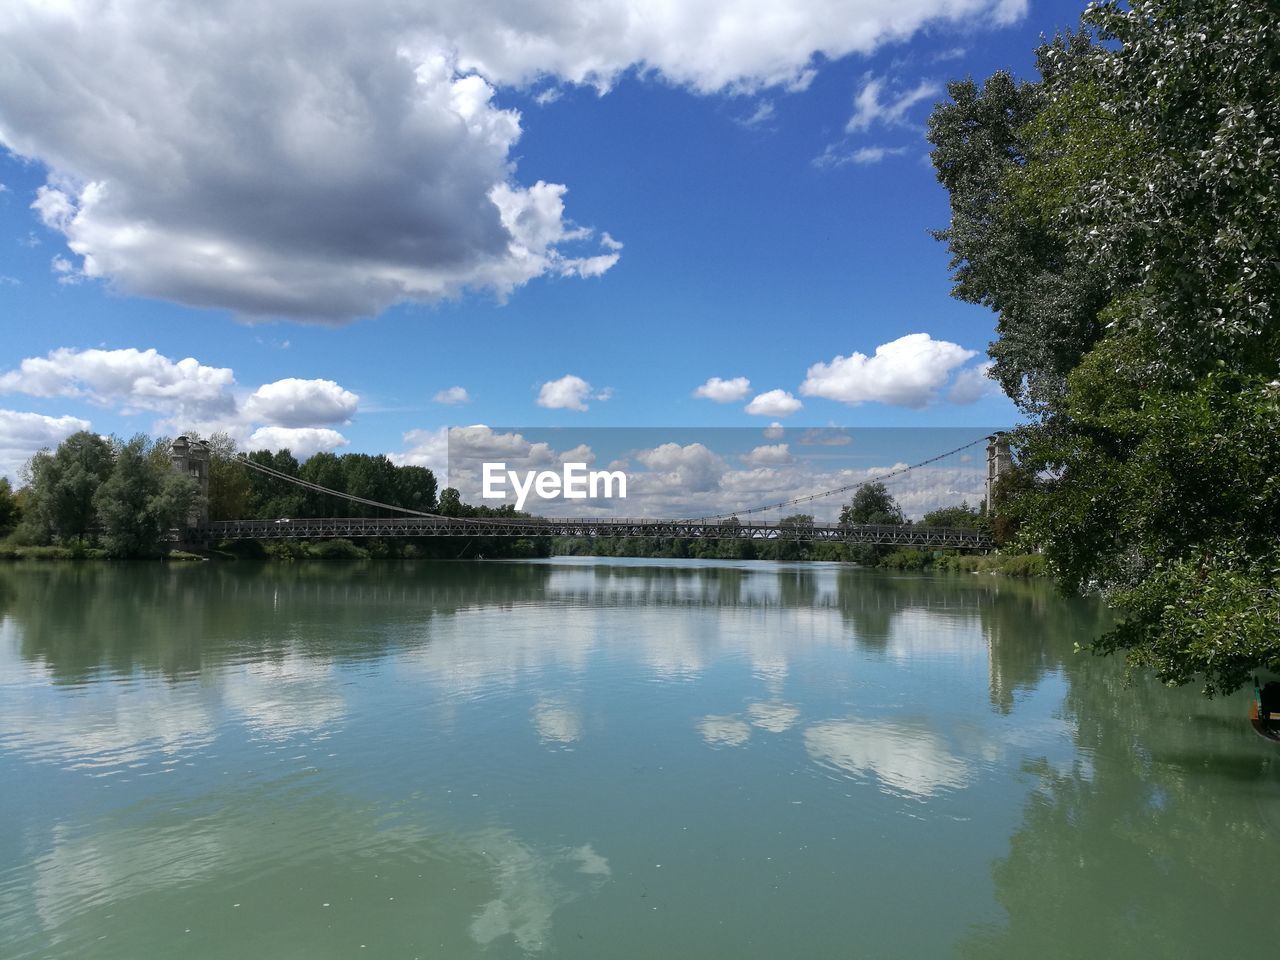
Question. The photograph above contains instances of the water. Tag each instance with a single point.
(624, 759)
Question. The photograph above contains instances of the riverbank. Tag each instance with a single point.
(1010, 565)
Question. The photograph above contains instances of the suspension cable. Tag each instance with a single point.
(483, 521)
(308, 485)
(838, 490)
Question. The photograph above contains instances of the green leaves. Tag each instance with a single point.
(1122, 216)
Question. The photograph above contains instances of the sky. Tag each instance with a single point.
(351, 225)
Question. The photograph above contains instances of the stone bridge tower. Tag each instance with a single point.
(191, 459)
(999, 463)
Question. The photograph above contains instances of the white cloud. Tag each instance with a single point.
(724, 391)
(774, 403)
(905, 372)
(973, 384)
(302, 442)
(869, 108)
(22, 435)
(834, 156)
(188, 395)
(361, 161)
(426, 448)
(301, 403)
(129, 379)
(691, 468)
(769, 455)
(761, 116)
(452, 396)
(567, 393)
(774, 431)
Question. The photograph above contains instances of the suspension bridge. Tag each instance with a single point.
(738, 525)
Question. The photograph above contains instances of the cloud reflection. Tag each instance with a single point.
(556, 721)
(905, 758)
(724, 731)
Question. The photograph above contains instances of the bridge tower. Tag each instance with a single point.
(999, 463)
(191, 459)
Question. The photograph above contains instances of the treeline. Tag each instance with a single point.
(238, 492)
(1121, 214)
(106, 497)
(98, 496)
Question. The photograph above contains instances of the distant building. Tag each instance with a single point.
(999, 463)
(191, 459)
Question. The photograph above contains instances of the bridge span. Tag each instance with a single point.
(354, 528)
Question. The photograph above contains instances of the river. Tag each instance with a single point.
(607, 759)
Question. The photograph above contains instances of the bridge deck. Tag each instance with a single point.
(907, 535)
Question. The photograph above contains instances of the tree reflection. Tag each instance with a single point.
(1159, 839)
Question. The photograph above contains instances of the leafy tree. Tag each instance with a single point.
(272, 497)
(140, 500)
(61, 488)
(1122, 216)
(230, 486)
(450, 503)
(415, 488)
(872, 504)
(962, 517)
(10, 510)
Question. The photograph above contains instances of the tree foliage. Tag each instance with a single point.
(61, 488)
(1121, 214)
(872, 504)
(141, 499)
(10, 509)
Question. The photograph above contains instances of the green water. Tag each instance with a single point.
(607, 759)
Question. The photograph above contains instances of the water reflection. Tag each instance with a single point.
(493, 759)
(904, 756)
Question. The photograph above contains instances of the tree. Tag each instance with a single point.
(62, 485)
(872, 504)
(415, 488)
(962, 517)
(140, 500)
(450, 503)
(10, 511)
(230, 486)
(1122, 216)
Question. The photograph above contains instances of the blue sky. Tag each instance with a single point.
(141, 211)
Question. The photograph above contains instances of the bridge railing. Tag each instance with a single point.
(359, 527)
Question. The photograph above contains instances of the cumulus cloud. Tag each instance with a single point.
(972, 384)
(567, 393)
(691, 468)
(129, 379)
(302, 442)
(906, 372)
(452, 396)
(724, 391)
(362, 161)
(774, 431)
(22, 435)
(425, 448)
(190, 395)
(774, 403)
(301, 403)
(769, 455)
